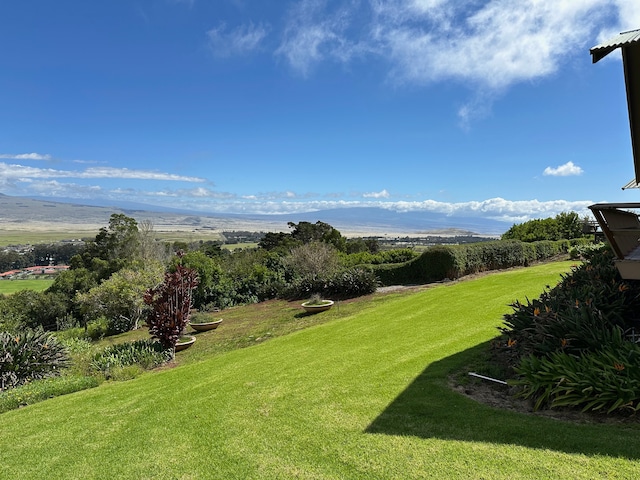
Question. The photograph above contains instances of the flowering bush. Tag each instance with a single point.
(574, 345)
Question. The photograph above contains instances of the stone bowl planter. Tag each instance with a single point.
(185, 342)
(206, 326)
(317, 307)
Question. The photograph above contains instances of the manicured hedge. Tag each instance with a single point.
(348, 283)
(454, 261)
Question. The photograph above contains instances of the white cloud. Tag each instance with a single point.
(109, 172)
(201, 192)
(488, 45)
(314, 34)
(496, 208)
(23, 173)
(493, 44)
(26, 156)
(566, 170)
(382, 194)
(628, 14)
(239, 41)
(500, 209)
(54, 188)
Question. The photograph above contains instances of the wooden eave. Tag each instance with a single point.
(629, 43)
(621, 227)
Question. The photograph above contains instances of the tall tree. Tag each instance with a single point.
(120, 298)
(307, 232)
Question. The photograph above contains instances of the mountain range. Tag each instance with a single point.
(362, 220)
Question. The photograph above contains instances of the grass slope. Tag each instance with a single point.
(360, 397)
(12, 286)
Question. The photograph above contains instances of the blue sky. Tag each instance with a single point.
(474, 107)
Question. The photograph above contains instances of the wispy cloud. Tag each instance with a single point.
(315, 33)
(54, 188)
(238, 41)
(566, 170)
(26, 156)
(381, 194)
(108, 172)
(24, 173)
(488, 45)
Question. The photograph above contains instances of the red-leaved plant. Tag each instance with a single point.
(171, 305)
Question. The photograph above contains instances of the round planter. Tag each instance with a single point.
(203, 327)
(315, 308)
(184, 344)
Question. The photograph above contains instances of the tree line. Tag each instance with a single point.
(103, 290)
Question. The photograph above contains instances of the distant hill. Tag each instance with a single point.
(20, 210)
(371, 218)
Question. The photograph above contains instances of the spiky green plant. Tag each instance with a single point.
(29, 355)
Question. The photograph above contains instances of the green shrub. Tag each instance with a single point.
(584, 250)
(94, 330)
(398, 255)
(39, 390)
(29, 355)
(81, 352)
(353, 282)
(605, 380)
(578, 314)
(29, 309)
(76, 345)
(349, 283)
(454, 261)
(146, 354)
(571, 346)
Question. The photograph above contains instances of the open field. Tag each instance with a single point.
(59, 233)
(12, 286)
(32, 237)
(364, 395)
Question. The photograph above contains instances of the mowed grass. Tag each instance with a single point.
(362, 396)
(23, 237)
(12, 286)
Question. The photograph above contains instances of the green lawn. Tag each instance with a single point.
(363, 396)
(22, 237)
(12, 286)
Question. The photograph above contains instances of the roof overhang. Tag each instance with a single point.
(629, 43)
(631, 184)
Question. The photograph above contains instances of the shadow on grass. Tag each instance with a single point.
(428, 408)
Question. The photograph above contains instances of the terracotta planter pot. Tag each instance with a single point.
(316, 308)
(203, 327)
